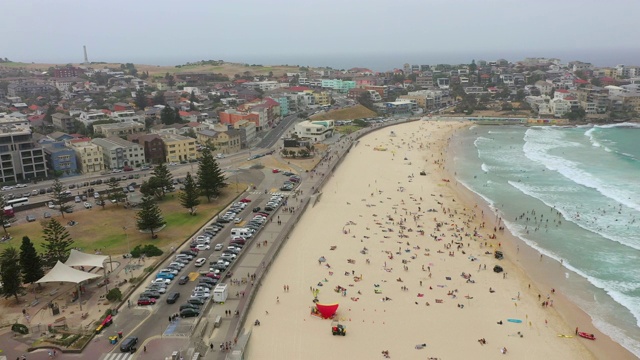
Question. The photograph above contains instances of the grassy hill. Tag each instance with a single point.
(351, 113)
(229, 69)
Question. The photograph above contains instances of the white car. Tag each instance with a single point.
(5, 188)
(158, 289)
(51, 205)
(161, 281)
(218, 247)
(200, 262)
(87, 205)
(177, 263)
(237, 220)
(203, 239)
(201, 289)
(18, 186)
(170, 271)
(96, 195)
(201, 247)
(200, 294)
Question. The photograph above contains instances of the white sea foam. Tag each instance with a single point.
(623, 125)
(536, 148)
(562, 209)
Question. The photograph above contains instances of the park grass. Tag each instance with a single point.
(347, 129)
(113, 231)
(350, 113)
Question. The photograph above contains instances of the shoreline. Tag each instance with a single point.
(370, 320)
(526, 258)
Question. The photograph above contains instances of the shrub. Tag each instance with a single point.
(148, 250)
(20, 328)
(114, 295)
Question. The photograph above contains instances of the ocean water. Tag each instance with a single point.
(573, 194)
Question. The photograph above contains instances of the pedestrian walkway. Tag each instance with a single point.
(118, 356)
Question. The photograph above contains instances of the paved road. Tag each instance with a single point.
(274, 135)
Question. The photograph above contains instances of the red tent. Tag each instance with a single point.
(327, 310)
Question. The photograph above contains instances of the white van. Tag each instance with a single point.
(244, 232)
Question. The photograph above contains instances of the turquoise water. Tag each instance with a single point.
(572, 194)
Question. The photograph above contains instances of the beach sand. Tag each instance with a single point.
(378, 200)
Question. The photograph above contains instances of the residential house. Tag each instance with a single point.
(87, 118)
(21, 158)
(118, 153)
(120, 106)
(63, 122)
(88, 155)
(178, 148)
(231, 116)
(315, 130)
(119, 129)
(127, 116)
(544, 87)
(153, 145)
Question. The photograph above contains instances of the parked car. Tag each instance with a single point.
(245, 200)
(202, 247)
(189, 306)
(183, 280)
(161, 281)
(196, 301)
(146, 301)
(31, 218)
(151, 294)
(87, 205)
(189, 313)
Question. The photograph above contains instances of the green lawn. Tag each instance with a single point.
(103, 228)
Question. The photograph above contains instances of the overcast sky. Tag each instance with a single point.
(159, 31)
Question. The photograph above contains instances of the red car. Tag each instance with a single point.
(213, 276)
(275, 171)
(245, 200)
(146, 301)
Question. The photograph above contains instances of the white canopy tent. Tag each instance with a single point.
(77, 258)
(65, 273)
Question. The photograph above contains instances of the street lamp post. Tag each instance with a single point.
(124, 228)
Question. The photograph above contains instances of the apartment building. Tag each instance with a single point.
(225, 142)
(248, 130)
(315, 130)
(127, 116)
(29, 89)
(88, 155)
(425, 99)
(118, 153)
(89, 117)
(424, 81)
(20, 157)
(63, 122)
(119, 129)
(339, 85)
(153, 146)
(61, 160)
(179, 148)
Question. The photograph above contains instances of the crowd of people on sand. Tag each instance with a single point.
(454, 229)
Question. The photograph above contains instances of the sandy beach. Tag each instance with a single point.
(410, 263)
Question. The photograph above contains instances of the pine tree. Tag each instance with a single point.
(30, 262)
(177, 118)
(166, 115)
(164, 179)
(192, 101)
(57, 243)
(190, 194)
(211, 180)
(10, 273)
(59, 197)
(149, 218)
(141, 99)
(115, 190)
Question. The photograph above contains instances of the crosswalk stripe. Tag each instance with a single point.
(118, 356)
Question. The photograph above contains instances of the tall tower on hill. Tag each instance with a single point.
(86, 58)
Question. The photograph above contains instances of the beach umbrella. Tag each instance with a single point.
(322, 259)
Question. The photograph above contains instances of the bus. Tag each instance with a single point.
(17, 202)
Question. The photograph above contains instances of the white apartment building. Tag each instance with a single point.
(126, 116)
(559, 107)
(118, 153)
(90, 117)
(314, 130)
